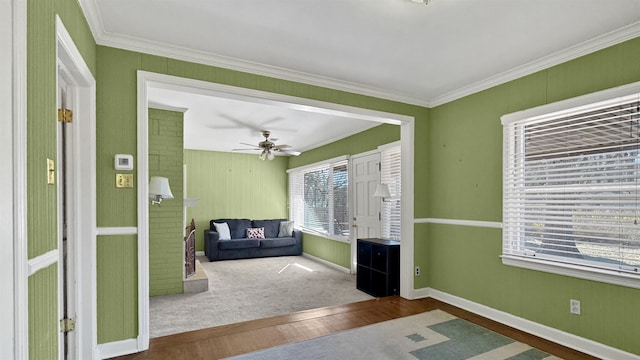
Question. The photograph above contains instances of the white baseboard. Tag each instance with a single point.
(557, 336)
(117, 348)
(328, 263)
(200, 253)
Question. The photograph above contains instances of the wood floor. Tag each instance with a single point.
(241, 338)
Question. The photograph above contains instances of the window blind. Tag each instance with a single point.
(571, 186)
(390, 174)
(319, 198)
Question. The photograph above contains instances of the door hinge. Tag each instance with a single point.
(67, 325)
(65, 115)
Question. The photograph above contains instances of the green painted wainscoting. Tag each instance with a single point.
(234, 185)
(42, 234)
(43, 314)
(333, 251)
(166, 232)
(117, 262)
(464, 140)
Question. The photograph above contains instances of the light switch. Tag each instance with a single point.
(124, 180)
(51, 172)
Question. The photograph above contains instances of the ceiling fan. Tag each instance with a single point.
(268, 148)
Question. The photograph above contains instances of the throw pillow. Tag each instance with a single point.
(286, 229)
(223, 231)
(255, 233)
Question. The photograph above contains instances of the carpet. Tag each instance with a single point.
(250, 289)
(431, 335)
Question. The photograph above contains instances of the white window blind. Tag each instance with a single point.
(390, 174)
(319, 198)
(571, 187)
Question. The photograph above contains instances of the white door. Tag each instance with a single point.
(66, 236)
(365, 177)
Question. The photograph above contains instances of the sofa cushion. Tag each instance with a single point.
(255, 233)
(277, 242)
(238, 244)
(286, 229)
(223, 231)
(271, 227)
(237, 227)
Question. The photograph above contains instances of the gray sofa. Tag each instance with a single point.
(240, 247)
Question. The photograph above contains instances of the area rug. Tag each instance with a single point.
(250, 289)
(431, 335)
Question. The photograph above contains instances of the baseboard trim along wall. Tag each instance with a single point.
(328, 263)
(117, 348)
(563, 338)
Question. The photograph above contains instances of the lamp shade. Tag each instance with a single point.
(159, 187)
(382, 191)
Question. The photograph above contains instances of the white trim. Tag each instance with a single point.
(147, 79)
(42, 262)
(477, 223)
(132, 230)
(590, 46)
(200, 253)
(153, 105)
(116, 348)
(407, 279)
(557, 336)
(84, 188)
(319, 163)
(129, 43)
(581, 272)
(325, 236)
(328, 263)
(21, 297)
(144, 82)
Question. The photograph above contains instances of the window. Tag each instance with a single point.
(390, 159)
(319, 198)
(571, 188)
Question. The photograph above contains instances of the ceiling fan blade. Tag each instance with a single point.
(256, 147)
(239, 122)
(290, 152)
(279, 147)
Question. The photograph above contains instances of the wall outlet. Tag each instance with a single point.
(574, 306)
(417, 270)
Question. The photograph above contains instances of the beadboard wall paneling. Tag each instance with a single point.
(43, 314)
(333, 251)
(234, 185)
(117, 287)
(166, 257)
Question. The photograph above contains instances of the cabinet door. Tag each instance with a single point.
(363, 279)
(364, 253)
(379, 258)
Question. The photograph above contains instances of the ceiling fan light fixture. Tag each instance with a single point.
(270, 156)
(263, 155)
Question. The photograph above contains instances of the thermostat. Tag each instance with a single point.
(124, 162)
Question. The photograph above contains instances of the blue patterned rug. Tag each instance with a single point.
(431, 335)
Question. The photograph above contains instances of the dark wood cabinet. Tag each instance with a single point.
(378, 267)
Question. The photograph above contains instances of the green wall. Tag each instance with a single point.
(232, 185)
(166, 257)
(41, 145)
(465, 182)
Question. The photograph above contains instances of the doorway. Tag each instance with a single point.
(148, 80)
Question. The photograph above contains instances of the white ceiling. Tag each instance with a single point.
(395, 49)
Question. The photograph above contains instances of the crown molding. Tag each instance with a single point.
(601, 42)
(104, 38)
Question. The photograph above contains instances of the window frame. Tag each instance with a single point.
(573, 269)
(300, 171)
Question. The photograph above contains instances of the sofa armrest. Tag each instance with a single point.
(211, 244)
(298, 236)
